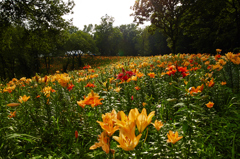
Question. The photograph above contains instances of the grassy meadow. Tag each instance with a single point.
(171, 106)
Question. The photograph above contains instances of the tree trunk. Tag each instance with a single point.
(3, 68)
(79, 61)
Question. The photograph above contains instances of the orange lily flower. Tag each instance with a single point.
(92, 99)
(23, 99)
(127, 139)
(173, 138)
(108, 122)
(137, 88)
(103, 142)
(223, 83)
(210, 104)
(151, 75)
(12, 114)
(211, 83)
(157, 124)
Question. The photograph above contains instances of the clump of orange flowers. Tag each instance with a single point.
(92, 99)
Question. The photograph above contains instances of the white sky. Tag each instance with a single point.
(90, 12)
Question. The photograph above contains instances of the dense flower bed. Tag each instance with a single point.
(171, 106)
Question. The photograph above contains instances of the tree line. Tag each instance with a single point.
(34, 32)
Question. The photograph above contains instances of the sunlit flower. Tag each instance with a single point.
(139, 74)
(157, 124)
(152, 74)
(47, 90)
(108, 123)
(127, 139)
(117, 89)
(143, 120)
(103, 142)
(81, 103)
(92, 99)
(144, 104)
(23, 98)
(63, 80)
(210, 104)
(133, 114)
(173, 138)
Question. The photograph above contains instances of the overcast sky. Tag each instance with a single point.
(90, 12)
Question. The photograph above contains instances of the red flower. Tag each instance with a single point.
(125, 75)
(76, 134)
(86, 67)
(182, 69)
(70, 87)
(131, 97)
(89, 84)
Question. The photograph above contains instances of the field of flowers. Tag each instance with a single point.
(171, 106)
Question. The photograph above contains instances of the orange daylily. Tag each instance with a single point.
(151, 75)
(12, 114)
(137, 88)
(144, 104)
(23, 98)
(157, 124)
(223, 83)
(211, 83)
(117, 89)
(92, 99)
(173, 138)
(108, 123)
(196, 90)
(210, 104)
(103, 142)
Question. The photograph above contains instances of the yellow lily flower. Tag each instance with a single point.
(143, 120)
(127, 139)
(108, 122)
(23, 99)
(173, 138)
(133, 114)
